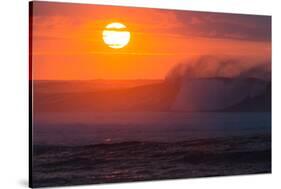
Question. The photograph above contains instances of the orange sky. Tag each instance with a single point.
(67, 40)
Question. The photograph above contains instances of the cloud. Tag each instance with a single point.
(222, 25)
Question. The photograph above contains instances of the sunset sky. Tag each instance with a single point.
(67, 41)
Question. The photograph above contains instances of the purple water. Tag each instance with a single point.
(87, 148)
(94, 128)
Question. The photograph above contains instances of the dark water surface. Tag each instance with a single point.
(121, 147)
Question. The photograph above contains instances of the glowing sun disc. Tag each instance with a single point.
(115, 35)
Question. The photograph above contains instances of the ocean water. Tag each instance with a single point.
(94, 128)
(85, 148)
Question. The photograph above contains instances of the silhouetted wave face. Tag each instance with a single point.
(137, 161)
(218, 94)
(212, 83)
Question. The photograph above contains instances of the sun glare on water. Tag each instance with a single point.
(115, 35)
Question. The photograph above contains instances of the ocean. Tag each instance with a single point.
(105, 147)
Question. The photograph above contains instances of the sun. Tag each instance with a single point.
(116, 35)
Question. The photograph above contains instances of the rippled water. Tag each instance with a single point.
(121, 147)
(94, 128)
